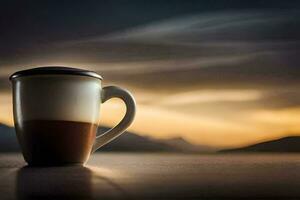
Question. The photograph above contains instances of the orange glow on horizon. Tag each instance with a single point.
(159, 122)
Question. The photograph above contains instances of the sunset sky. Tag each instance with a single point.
(220, 73)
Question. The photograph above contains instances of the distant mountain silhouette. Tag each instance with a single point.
(286, 144)
(133, 142)
(8, 140)
(129, 142)
(181, 144)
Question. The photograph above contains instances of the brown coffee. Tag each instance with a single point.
(56, 142)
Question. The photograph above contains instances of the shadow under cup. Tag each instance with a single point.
(54, 183)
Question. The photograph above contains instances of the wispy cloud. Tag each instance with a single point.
(211, 96)
(192, 27)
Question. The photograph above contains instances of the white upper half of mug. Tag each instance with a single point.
(69, 97)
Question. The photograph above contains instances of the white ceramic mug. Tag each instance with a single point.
(56, 114)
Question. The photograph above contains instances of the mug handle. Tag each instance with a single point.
(112, 92)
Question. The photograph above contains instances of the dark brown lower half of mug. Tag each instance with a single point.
(56, 142)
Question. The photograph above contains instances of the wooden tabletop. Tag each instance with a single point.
(156, 176)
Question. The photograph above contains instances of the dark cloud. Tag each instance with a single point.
(261, 72)
(270, 99)
(161, 46)
(27, 24)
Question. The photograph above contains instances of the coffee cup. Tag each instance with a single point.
(56, 114)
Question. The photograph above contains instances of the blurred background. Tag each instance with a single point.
(215, 74)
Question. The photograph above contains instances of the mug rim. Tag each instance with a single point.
(54, 70)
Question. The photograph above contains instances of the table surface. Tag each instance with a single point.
(156, 176)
